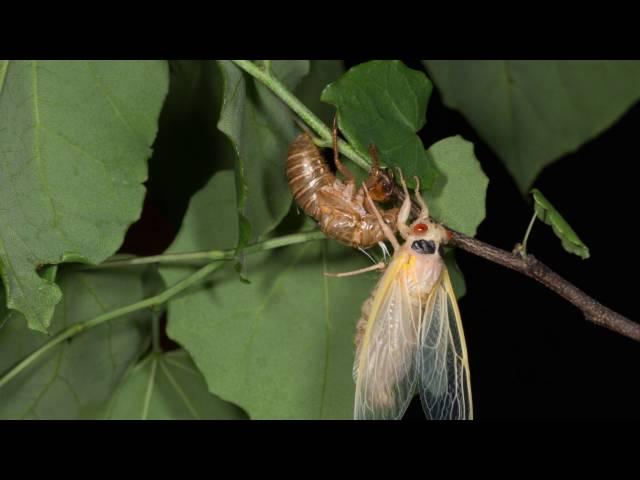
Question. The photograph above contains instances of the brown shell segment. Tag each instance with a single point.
(336, 206)
(307, 173)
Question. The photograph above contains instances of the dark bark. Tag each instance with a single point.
(530, 266)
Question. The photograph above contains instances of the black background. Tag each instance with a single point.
(532, 354)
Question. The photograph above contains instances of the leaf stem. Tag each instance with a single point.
(155, 331)
(158, 299)
(266, 65)
(526, 235)
(271, 82)
(150, 384)
(77, 328)
(213, 255)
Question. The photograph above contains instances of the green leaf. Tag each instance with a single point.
(281, 347)
(321, 73)
(384, 103)
(75, 137)
(260, 128)
(4, 311)
(457, 197)
(201, 229)
(168, 386)
(533, 112)
(549, 215)
(74, 379)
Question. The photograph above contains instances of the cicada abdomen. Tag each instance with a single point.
(307, 173)
(337, 206)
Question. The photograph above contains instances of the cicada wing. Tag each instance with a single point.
(445, 387)
(386, 367)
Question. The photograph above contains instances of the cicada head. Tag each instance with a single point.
(424, 235)
(380, 184)
(427, 237)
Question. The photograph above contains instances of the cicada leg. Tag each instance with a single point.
(377, 266)
(373, 151)
(424, 214)
(385, 228)
(336, 155)
(405, 210)
(367, 254)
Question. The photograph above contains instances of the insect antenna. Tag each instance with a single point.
(336, 154)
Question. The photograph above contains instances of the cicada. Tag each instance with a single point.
(409, 339)
(337, 206)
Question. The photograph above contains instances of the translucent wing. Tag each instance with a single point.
(445, 388)
(386, 366)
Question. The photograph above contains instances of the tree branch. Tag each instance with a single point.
(530, 266)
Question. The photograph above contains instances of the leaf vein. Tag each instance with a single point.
(179, 391)
(149, 391)
(37, 147)
(110, 100)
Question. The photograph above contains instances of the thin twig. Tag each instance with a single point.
(211, 255)
(530, 266)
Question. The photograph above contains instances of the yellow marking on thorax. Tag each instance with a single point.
(409, 267)
(411, 261)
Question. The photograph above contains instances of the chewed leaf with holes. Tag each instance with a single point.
(167, 386)
(282, 346)
(76, 378)
(384, 103)
(549, 215)
(74, 140)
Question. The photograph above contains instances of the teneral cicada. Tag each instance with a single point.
(410, 338)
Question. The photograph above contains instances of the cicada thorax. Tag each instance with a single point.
(425, 249)
(337, 206)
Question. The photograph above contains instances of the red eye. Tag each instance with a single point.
(420, 228)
